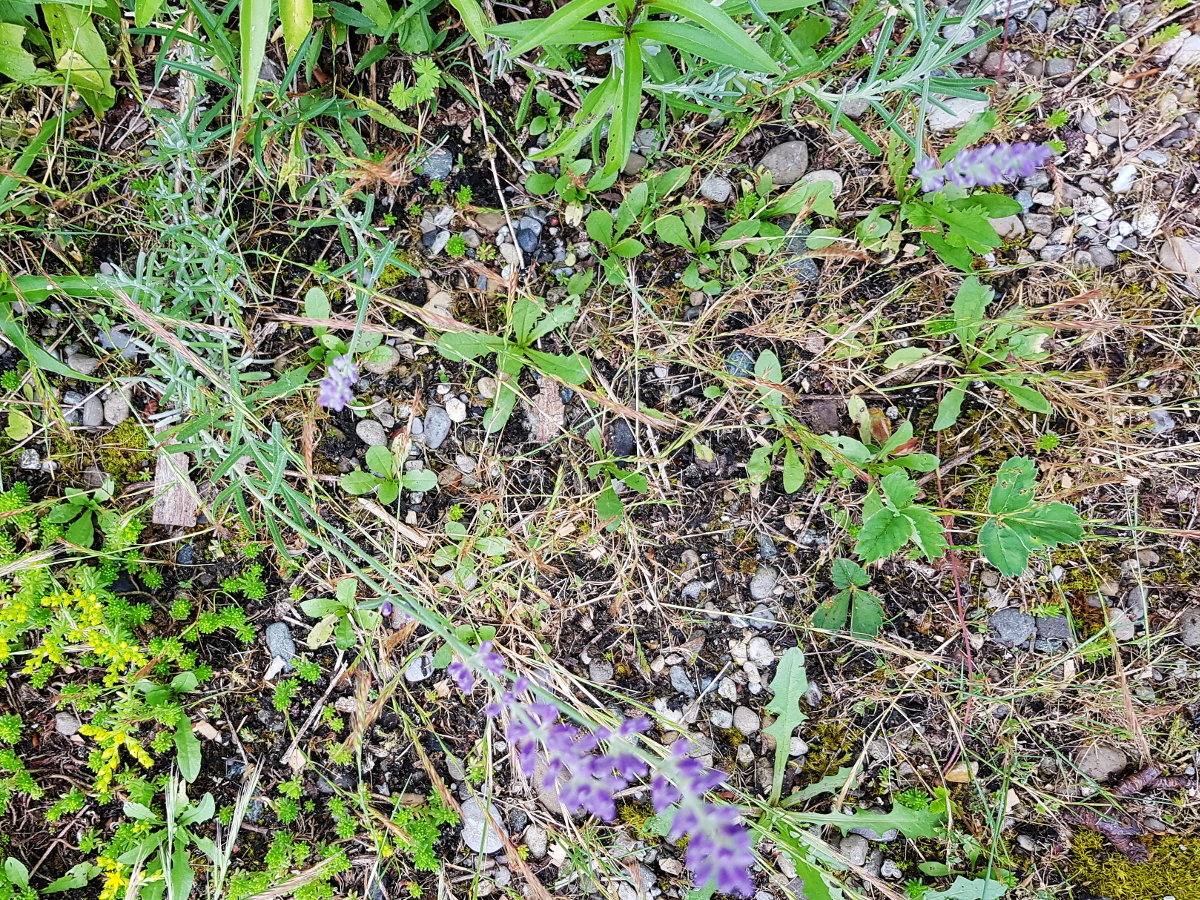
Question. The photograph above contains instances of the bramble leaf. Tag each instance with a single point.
(846, 572)
(1013, 490)
(831, 614)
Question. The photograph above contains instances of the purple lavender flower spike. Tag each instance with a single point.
(983, 166)
(463, 676)
(336, 386)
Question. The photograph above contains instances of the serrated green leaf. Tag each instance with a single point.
(829, 784)
(458, 346)
(899, 489)
(790, 685)
(571, 369)
(846, 572)
(866, 615)
(912, 823)
(1008, 541)
(927, 532)
(882, 535)
(831, 613)
(1014, 486)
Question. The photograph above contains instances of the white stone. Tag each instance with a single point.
(961, 111)
(746, 720)
(456, 410)
(760, 652)
(478, 832)
(1188, 55)
(825, 175)
(1125, 179)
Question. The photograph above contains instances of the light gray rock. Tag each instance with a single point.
(280, 644)
(371, 433)
(1154, 157)
(1189, 626)
(634, 164)
(386, 365)
(890, 870)
(478, 832)
(746, 720)
(1102, 257)
(116, 408)
(1053, 634)
(1039, 223)
(759, 652)
(1011, 627)
(855, 848)
(1126, 177)
(872, 835)
(787, 162)
(961, 109)
(1100, 761)
(1008, 228)
(716, 188)
(487, 388)
(827, 175)
(682, 683)
(84, 365)
(1053, 252)
(419, 669)
(855, 108)
(763, 582)
(537, 841)
(600, 671)
(1188, 56)
(1180, 255)
(437, 426)
(93, 412)
(66, 724)
(30, 460)
(721, 718)
(1057, 67)
(1123, 627)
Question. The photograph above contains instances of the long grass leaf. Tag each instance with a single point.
(254, 27)
(718, 22)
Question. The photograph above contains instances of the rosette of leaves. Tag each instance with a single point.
(529, 323)
(385, 474)
(608, 505)
(865, 609)
(891, 520)
(878, 451)
(368, 345)
(337, 615)
(468, 546)
(84, 513)
(1020, 527)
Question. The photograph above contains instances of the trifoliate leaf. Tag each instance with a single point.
(882, 535)
(1009, 541)
(1013, 490)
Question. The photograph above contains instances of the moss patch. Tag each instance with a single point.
(1171, 871)
(123, 452)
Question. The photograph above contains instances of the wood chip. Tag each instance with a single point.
(546, 416)
(296, 760)
(206, 730)
(175, 494)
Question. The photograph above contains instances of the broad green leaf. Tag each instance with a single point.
(571, 369)
(1028, 398)
(20, 426)
(187, 752)
(758, 467)
(443, 657)
(185, 682)
(717, 22)
(559, 316)
(525, 313)
(831, 613)
(15, 61)
(790, 685)
(672, 230)
(458, 346)
(139, 811)
(473, 18)
(690, 39)
(906, 356)
(958, 256)
(420, 480)
(540, 183)
(254, 27)
(296, 19)
(977, 126)
(16, 872)
(911, 823)
(846, 573)
(493, 546)
(969, 306)
(899, 489)
(380, 461)
(866, 617)
(927, 532)
(949, 408)
(346, 591)
(600, 226)
(1014, 487)
(389, 492)
(829, 784)
(82, 531)
(793, 469)
(1008, 541)
(322, 630)
(994, 206)
(626, 110)
(199, 812)
(319, 607)
(14, 330)
(608, 506)
(78, 48)
(316, 306)
(882, 535)
(77, 877)
(359, 482)
(970, 889)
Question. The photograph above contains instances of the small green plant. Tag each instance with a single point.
(470, 547)
(421, 828)
(609, 507)
(985, 345)
(793, 437)
(866, 610)
(891, 519)
(1019, 527)
(530, 321)
(1163, 35)
(387, 476)
(437, 187)
(308, 670)
(914, 798)
(456, 247)
(1046, 442)
(249, 583)
(570, 185)
(284, 692)
(84, 513)
(464, 195)
(10, 728)
(1057, 119)
(428, 80)
(368, 345)
(878, 452)
(10, 380)
(338, 614)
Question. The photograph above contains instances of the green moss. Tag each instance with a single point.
(635, 815)
(123, 452)
(390, 277)
(831, 745)
(1171, 871)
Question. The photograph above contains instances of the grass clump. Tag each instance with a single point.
(1170, 872)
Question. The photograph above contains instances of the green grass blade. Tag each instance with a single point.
(254, 27)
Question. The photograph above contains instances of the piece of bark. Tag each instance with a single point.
(175, 494)
(546, 416)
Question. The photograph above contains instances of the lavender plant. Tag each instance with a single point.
(337, 386)
(588, 768)
(983, 166)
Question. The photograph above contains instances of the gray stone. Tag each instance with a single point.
(1123, 627)
(419, 669)
(1164, 422)
(66, 724)
(693, 589)
(1008, 228)
(1039, 223)
(739, 363)
(746, 720)
(93, 412)
(766, 546)
(84, 365)
(1100, 761)
(1053, 634)
(1057, 67)
(1102, 257)
(1088, 123)
(763, 582)
(721, 718)
(1036, 181)
(1154, 157)
(1189, 626)
(1025, 199)
(1188, 56)
(761, 618)
(1125, 179)
(437, 165)
(479, 830)
(960, 111)
(116, 408)
(118, 339)
(1052, 252)
(1011, 627)
(787, 162)
(855, 848)
(600, 671)
(759, 652)
(280, 644)
(872, 835)
(537, 841)
(855, 108)
(384, 366)
(716, 188)
(889, 869)
(371, 433)
(682, 683)
(827, 175)
(646, 139)
(1128, 14)
(487, 388)
(1180, 255)
(634, 164)
(1038, 21)
(437, 426)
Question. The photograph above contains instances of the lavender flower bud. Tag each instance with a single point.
(983, 166)
(931, 175)
(336, 386)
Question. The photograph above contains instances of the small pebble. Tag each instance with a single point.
(722, 719)
(456, 410)
(436, 426)
(682, 683)
(419, 669)
(763, 582)
(746, 720)
(371, 433)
